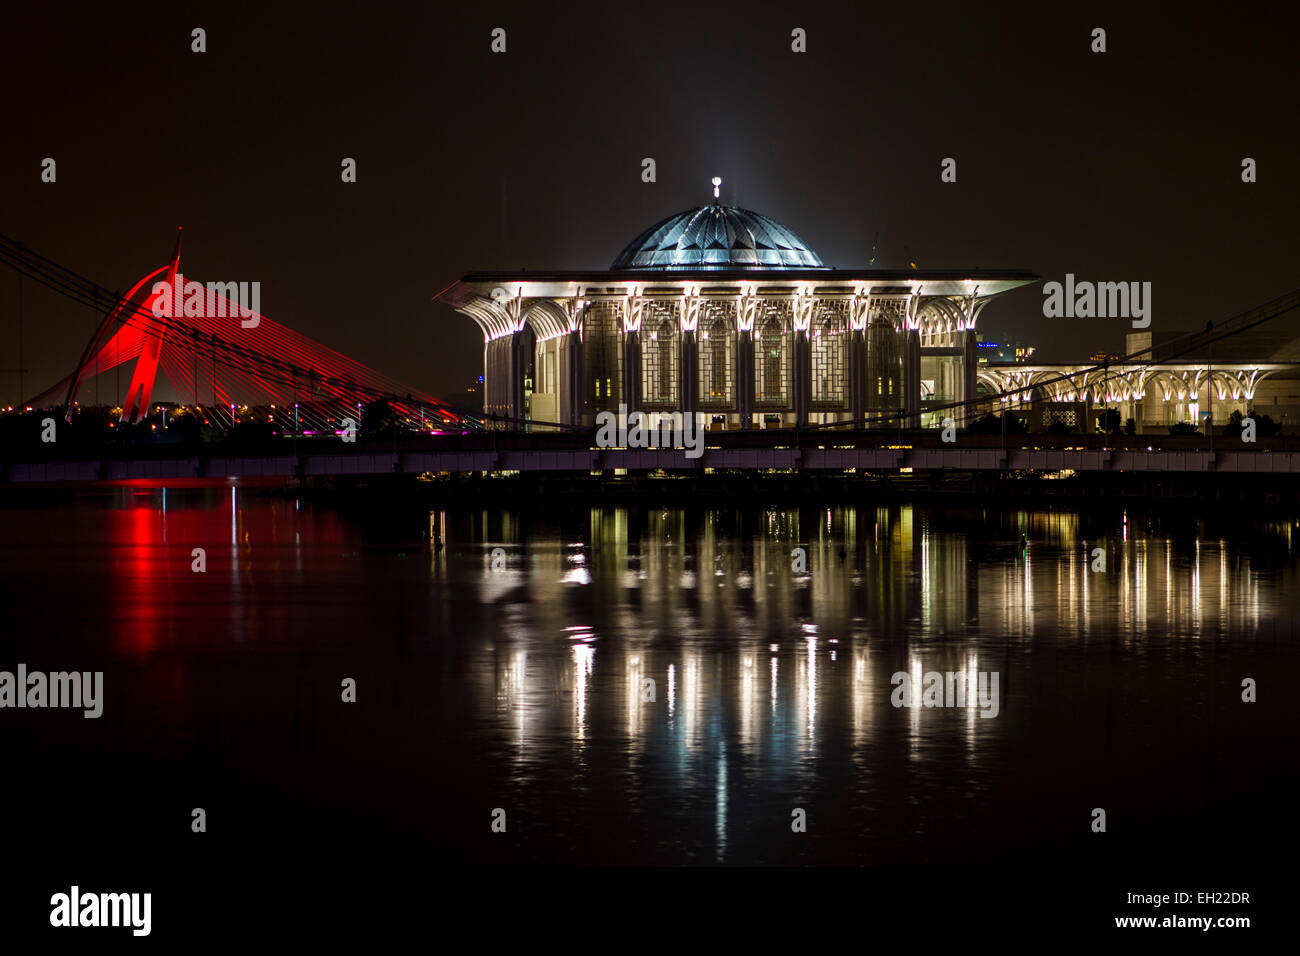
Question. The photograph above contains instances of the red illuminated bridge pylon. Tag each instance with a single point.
(208, 344)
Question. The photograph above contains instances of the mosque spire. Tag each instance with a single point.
(717, 181)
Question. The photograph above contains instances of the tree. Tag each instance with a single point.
(1234, 425)
(378, 418)
(1265, 427)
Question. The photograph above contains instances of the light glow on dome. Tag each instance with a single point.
(717, 237)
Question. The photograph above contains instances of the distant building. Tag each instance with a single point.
(1003, 350)
(1152, 346)
(1159, 382)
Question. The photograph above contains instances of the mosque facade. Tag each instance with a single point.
(727, 313)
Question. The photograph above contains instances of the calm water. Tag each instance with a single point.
(514, 679)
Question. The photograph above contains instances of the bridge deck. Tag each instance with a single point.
(825, 460)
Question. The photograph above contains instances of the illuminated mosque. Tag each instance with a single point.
(726, 312)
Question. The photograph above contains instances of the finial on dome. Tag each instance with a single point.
(717, 181)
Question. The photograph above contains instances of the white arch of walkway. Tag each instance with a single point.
(1151, 392)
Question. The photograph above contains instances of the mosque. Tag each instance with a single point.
(727, 313)
(723, 311)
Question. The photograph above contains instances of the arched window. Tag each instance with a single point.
(601, 341)
(830, 381)
(884, 371)
(659, 358)
(772, 363)
(717, 333)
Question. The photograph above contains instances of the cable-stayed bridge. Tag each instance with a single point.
(233, 363)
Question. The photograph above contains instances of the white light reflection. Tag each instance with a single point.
(1196, 590)
(1140, 585)
(810, 691)
(972, 701)
(861, 696)
(511, 699)
(634, 705)
(721, 800)
(926, 609)
(583, 654)
(691, 698)
(1223, 584)
(1028, 595)
(746, 699)
(576, 571)
(914, 712)
(498, 577)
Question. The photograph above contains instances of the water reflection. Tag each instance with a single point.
(693, 674)
(697, 650)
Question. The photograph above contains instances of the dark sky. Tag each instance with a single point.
(1118, 166)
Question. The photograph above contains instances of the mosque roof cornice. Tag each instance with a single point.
(566, 284)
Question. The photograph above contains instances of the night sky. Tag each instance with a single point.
(1117, 166)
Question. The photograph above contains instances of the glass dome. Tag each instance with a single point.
(717, 237)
